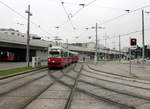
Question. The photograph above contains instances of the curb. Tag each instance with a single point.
(97, 69)
(20, 73)
(109, 72)
(133, 76)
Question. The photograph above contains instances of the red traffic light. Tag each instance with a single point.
(133, 41)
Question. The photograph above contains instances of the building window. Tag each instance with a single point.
(18, 34)
(12, 33)
(22, 35)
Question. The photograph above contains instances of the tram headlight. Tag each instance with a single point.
(49, 59)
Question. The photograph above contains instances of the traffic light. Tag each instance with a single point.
(132, 41)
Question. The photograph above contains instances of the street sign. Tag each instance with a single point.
(133, 47)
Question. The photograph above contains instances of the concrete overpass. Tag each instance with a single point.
(39, 47)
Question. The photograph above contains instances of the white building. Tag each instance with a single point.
(14, 32)
(11, 31)
(125, 49)
(92, 45)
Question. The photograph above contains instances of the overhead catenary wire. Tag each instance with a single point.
(134, 32)
(107, 7)
(13, 10)
(76, 4)
(115, 18)
(90, 3)
(128, 11)
(107, 21)
(68, 16)
(127, 34)
(74, 14)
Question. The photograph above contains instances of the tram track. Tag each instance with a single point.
(77, 82)
(56, 78)
(116, 91)
(35, 97)
(75, 88)
(109, 73)
(116, 82)
(118, 102)
(68, 103)
(147, 99)
(21, 74)
(72, 87)
(122, 106)
(22, 85)
(120, 83)
(117, 76)
(112, 90)
(26, 85)
(101, 98)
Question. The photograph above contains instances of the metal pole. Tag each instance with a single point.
(143, 49)
(96, 46)
(130, 60)
(28, 38)
(67, 44)
(67, 49)
(119, 49)
(105, 49)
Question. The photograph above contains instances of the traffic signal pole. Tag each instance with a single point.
(133, 43)
(119, 50)
(130, 56)
(143, 48)
(130, 60)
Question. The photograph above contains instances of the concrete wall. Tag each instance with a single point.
(42, 54)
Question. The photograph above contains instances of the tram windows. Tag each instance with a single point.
(54, 54)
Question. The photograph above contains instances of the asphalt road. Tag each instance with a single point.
(78, 87)
(11, 65)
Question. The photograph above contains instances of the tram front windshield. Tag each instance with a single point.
(54, 54)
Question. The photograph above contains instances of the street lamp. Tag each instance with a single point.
(20, 24)
(96, 27)
(143, 36)
(57, 27)
(28, 36)
(105, 38)
(120, 54)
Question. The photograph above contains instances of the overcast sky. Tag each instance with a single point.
(50, 13)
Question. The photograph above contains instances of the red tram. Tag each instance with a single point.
(6, 56)
(60, 57)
